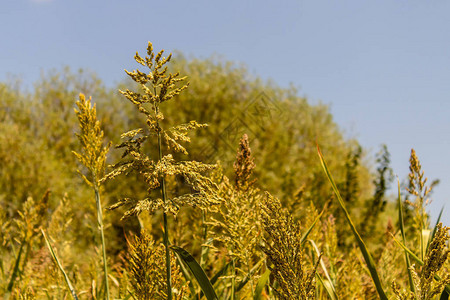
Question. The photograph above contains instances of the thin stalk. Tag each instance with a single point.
(205, 234)
(168, 267)
(100, 225)
(251, 278)
(402, 229)
(66, 278)
(233, 279)
(362, 246)
(16, 266)
(166, 229)
(422, 227)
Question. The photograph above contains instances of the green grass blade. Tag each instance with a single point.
(2, 268)
(205, 251)
(186, 274)
(435, 228)
(233, 278)
(100, 225)
(261, 284)
(330, 288)
(55, 258)
(402, 230)
(362, 246)
(214, 279)
(16, 268)
(197, 271)
(127, 297)
(305, 235)
(221, 272)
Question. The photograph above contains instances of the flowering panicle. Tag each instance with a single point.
(425, 285)
(238, 222)
(158, 86)
(147, 270)
(284, 251)
(419, 189)
(244, 165)
(33, 216)
(93, 154)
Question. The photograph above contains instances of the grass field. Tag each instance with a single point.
(193, 230)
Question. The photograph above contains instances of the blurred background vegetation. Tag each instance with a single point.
(38, 136)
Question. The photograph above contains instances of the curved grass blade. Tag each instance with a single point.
(186, 274)
(435, 228)
(127, 297)
(305, 235)
(55, 258)
(214, 279)
(261, 284)
(198, 272)
(402, 229)
(220, 273)
(15, 270)
(362, 246)
(205, 251)
(330, 287)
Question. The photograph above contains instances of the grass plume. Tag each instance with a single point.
(284, 251)
(93, 157)
(157, 87)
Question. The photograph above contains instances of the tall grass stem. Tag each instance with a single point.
(16, 267)
(100, 225)
(166, 227)
(402, 230)
(55, 258)
(362, 246)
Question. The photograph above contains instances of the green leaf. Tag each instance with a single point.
(362, 246)
(434, 229)
(197, 271)
(214, 279)
(402, 229)
(220, 273)
(127, 297)
(305, 235)
(186, 274)
(205, 250)
(261, 284)
(15, 270)
(55, 258)
(328, 287)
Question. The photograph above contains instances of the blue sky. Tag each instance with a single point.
(382, 66)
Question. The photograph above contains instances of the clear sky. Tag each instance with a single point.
(382, 66)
